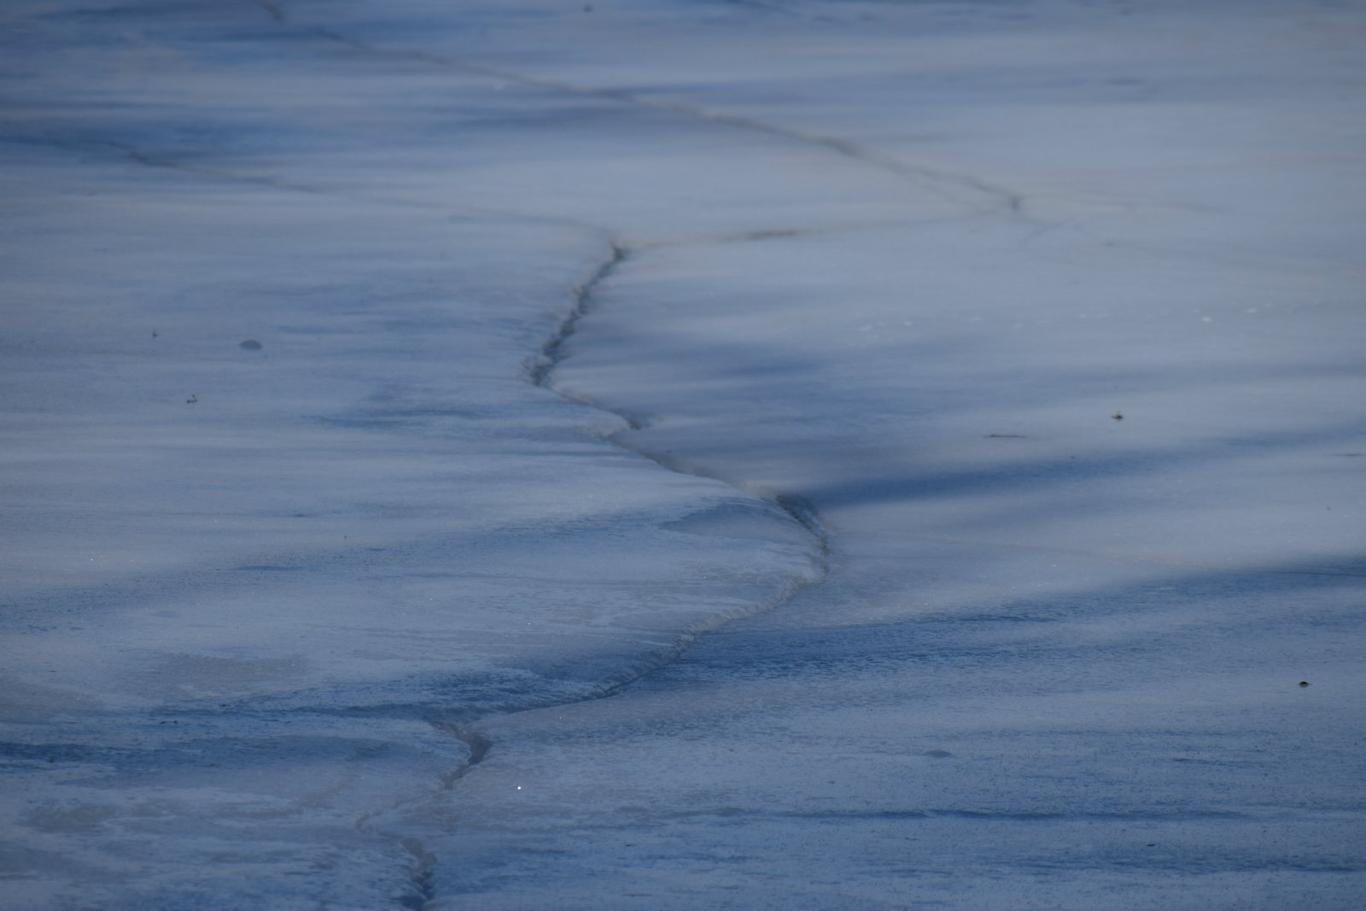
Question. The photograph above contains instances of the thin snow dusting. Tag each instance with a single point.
(794, 454)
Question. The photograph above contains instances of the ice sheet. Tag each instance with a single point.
(983, 379)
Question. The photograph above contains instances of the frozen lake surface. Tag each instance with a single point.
(794, 454)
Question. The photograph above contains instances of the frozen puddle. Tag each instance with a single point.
(767, 455)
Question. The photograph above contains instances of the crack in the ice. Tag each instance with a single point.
(153, 160)
(475, 742)
(938, 181)
(273, 9)
(540, 372)
(422, 889)
(552, 352)
(163, 162)
(759, 235)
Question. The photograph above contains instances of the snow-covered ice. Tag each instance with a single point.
(670, 454)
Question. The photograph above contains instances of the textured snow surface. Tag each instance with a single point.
(793, 454)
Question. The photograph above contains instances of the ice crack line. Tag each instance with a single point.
(540, 372)
(541, 369)
(552, 352)
(422, 891)
(941, 182)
